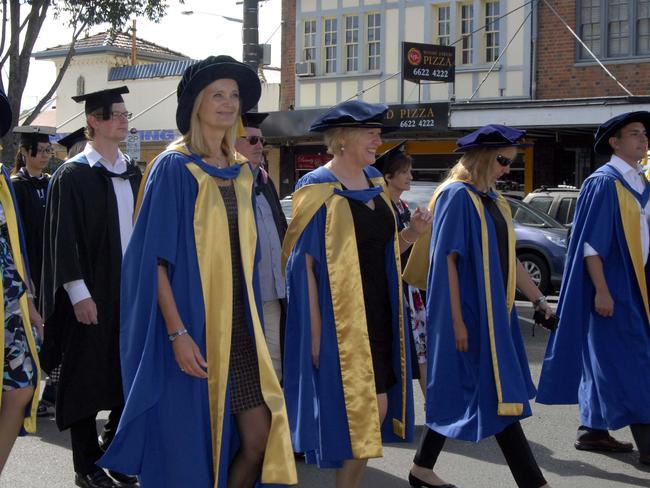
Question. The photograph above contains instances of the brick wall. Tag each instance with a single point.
(288, 74)
(557, 73)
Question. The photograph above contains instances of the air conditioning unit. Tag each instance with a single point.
(306, 68)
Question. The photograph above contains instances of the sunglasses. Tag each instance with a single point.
(253, 140)
(503, 161)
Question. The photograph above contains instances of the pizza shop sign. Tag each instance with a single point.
(420, 116)
(428, 62)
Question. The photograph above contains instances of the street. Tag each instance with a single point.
(45, 460)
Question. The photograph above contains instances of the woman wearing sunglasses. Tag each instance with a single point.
(479, 383)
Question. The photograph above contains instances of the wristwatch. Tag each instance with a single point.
(175, 335)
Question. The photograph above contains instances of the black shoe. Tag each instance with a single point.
(418, 483)
(124, 479)
(97, 479)
(45, 409)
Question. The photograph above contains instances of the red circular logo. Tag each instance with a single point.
(414, 56)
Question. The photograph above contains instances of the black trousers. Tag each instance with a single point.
(513, 444)
(85, 445)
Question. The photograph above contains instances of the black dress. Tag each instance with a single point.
(30, 196)
(244, 376)
(374, 229)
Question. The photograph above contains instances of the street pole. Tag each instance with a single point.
(250, 36)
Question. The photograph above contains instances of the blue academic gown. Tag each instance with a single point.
(601, 363)
(164, 435)
(315, 397)
(461, 398)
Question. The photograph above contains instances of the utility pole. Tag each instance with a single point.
(250, 36)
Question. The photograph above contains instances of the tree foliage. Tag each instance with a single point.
(22, 21)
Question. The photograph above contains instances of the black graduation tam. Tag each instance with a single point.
(609, 129)
(253, 119)
(353, 113)
(31, 135)
(383, 160)
(491, 136)
(5, 114)
(102, 99)
(199, 75)
(72, 138)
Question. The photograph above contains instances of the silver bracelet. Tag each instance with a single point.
(175, 335)
(539, 301)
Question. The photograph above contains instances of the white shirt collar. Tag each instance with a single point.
(623, 167)
(93, 157)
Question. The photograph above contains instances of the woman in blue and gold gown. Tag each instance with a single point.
(203, 405)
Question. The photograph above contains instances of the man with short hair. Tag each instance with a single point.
(272, 226)
(599, 356)
(88, 223)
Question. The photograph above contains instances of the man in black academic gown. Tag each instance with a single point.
(272, 226)
(88, 224)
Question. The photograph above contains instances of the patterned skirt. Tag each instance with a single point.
(244, 376)
(19, 365)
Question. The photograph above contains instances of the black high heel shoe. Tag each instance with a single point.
(418, 483)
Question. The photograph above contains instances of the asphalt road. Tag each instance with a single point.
(45, 461)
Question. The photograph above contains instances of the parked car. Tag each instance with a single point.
(559, 203)
(541, 240)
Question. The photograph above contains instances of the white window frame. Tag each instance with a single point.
(309, 38)
(352, 27)
(330, 45)
(373, 41)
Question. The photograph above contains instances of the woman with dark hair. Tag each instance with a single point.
(347, 368)
(396, 165)
(478, 382)
(30, 184)
(203, 405)
(23, 326)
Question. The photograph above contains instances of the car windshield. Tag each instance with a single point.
(420, 194)
(524, 214)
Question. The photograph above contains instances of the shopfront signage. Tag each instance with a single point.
(428, 62)
(418, 117)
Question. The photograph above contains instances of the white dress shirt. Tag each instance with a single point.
(77, 290)
(632, 176)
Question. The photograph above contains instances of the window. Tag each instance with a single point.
(309, 41)
(590, 26)
(374, 41)
(81, 86)
(543, 204)
(565, 211)
(491, 31)
(330, 33)
(352, 43)
(643, 27)
(614, 29)
(619, 28)
(444, 26)
(466, 21)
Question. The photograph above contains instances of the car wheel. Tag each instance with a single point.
(537, 268)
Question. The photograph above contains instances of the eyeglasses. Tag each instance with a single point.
(45, 150)
(503, 161)
(114, 115)
(253, 140)
(123, 115)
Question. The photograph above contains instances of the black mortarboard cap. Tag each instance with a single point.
(253, 119)
(31, 135)
(102, 99)
(72, 138)
(381, 163)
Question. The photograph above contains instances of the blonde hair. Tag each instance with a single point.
(194, 137)
(335, 138)
(474, 165)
